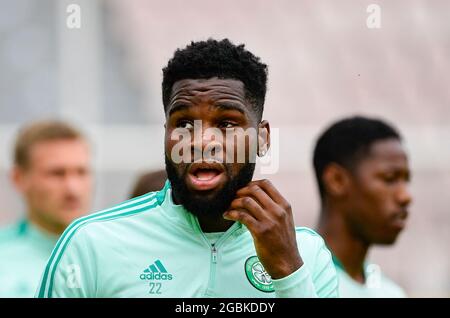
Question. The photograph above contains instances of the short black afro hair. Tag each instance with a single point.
(222, 59)
(348, 141)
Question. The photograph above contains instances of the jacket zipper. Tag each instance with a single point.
(214, 253)
(214, 247)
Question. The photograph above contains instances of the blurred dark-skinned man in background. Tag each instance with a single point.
(363, 176)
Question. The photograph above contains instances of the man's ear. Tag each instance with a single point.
(18, 178)
(336, 180)
(263, 138)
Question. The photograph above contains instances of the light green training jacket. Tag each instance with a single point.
(24, 251)
(150, 247)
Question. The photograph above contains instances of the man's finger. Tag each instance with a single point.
(257, 193)
(274, 194)
(249, 205)
(243, 217)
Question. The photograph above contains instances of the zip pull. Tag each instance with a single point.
(214, 253)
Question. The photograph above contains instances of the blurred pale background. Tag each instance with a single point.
(324, 63)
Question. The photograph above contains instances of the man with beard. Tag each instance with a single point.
(211, 231)
(363, 176)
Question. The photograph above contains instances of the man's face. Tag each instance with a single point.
(57, 182)
(379, 197)
(207, 187)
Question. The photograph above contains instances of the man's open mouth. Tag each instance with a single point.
(205, 176)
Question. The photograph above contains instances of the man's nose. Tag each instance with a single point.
(72, 183)
(404, 196)
(207, 141)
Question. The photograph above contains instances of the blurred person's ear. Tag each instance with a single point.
(18, 177)
(336, 180)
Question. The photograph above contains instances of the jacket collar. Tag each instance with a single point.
(179, 215)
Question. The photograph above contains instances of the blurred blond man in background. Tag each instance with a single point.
(53, 175)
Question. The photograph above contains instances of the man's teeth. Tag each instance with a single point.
(206, 175)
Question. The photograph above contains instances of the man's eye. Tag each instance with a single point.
(227, 124)
(82, 172)
(56, 173)
(390, 178)
(185, 124)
